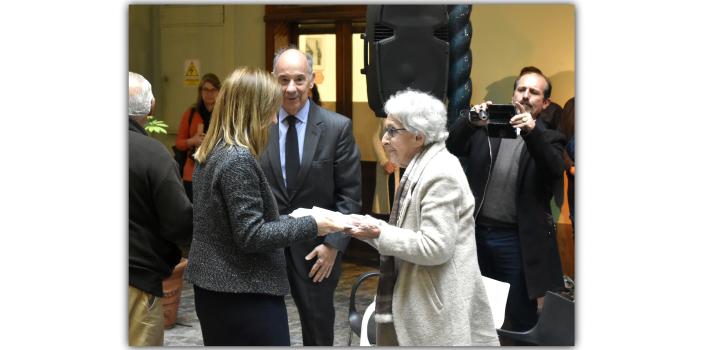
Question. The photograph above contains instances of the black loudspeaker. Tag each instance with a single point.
(405, 46)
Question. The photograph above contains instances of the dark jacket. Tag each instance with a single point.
(540, 172)
(329, 176)
(238, 235)
(160, 212)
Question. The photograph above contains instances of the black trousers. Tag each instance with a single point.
(242, 318)
(314, 301)
(500, 258)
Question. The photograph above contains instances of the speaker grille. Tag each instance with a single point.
(442, 34)
(383, 32)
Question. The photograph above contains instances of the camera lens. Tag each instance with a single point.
(474, 116)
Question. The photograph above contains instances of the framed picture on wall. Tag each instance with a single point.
(315, 47)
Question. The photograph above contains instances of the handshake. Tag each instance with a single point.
(328, 221)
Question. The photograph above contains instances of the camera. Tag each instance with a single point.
(498, 117)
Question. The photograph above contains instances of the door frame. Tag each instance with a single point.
(285, 23)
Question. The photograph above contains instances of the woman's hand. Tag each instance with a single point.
(363, 227)
(198, 138)
(389, 167)
(325, 223)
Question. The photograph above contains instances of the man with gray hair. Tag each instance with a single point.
(311, 160)
(160, 219)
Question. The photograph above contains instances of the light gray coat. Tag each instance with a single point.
(439, 297)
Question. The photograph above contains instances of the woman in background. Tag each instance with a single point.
(236, 260)
(567, 127)
(387, 175)
(194, 124)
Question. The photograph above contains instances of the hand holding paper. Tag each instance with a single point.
(363, 227)
(328, 221)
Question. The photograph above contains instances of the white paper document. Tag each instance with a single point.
(338, 217)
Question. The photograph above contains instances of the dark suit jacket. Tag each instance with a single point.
(329, 174)
(540, 171)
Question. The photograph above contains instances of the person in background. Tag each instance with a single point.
(315, 95)
(236, 260)
(513, 180)
(552, 115)
(387, 175)
(430, 291)
(194, 124)
(312, 160)
(567, 127)
(160, 219)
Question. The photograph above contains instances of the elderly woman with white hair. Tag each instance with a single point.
(430, 291)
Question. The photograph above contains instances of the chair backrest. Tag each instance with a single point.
(556, 324)
(355, 319)
(497, 293)
(367, 330)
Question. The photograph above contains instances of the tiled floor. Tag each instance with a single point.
(186, 331)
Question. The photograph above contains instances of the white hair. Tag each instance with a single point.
(420, 113)
(140, 95)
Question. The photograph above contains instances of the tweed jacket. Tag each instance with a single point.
(439, 298)
(238, 235)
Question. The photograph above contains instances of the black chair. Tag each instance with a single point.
(555, 326)
(355, 317)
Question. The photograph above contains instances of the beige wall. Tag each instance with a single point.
(509, 37)
(241, 43)
(505, 39)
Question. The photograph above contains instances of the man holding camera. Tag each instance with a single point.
(512, 179)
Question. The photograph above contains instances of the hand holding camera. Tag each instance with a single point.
(523, 120)
(497, 117)
(477, 114)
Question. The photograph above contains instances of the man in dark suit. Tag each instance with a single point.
(513, 181)
(311, 160)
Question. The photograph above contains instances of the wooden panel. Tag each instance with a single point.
(277, 35)
(566, 247)
(269, 44)
(316, 13)
(343, 47)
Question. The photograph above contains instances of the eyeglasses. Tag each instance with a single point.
(390, 131)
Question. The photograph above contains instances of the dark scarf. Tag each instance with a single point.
(385, 328)
(205, 114)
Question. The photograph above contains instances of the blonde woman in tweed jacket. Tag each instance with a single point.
(236, 259)
(428, 247)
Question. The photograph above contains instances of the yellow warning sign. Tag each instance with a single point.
(192, 72)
